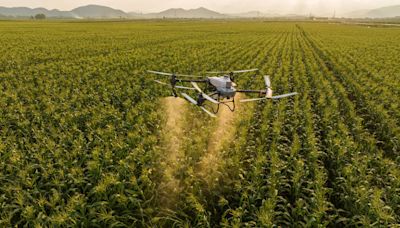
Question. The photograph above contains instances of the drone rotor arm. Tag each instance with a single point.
(189, 76)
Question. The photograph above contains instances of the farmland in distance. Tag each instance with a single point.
(88, 139)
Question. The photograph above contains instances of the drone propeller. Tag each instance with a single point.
(208, 112)
(203, 94)
(268, 92)
(191, 100)
(159, 73)
(244, 71)
(273, 98)
(267, 81)
(234, 72)
(179, 87)
(171, 74)
(172, 80)
(284, 95)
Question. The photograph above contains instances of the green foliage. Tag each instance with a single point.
(81, 125)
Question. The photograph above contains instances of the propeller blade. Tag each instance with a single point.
(178, 87)
(210, 98)
(217, 72)
(183, 87)
(265, 98)
(162, 83)
(197, 87)
(235, 71)
(255, 99)
(208, 112)
(204, 95)
(284, 95)
(191, 100)
(267, 80)
(159, 73)
(245, 71)
(187, 97)
(170, 74)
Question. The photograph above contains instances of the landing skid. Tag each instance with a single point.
(205, 107)
(230, 104)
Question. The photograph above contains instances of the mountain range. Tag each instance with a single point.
(103, 12)
(89, 11)
(383, 12)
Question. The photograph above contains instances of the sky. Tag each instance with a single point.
(224, 6)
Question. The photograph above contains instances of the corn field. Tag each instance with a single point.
(85, 140)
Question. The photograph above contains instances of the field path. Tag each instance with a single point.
(223, 133)
(174, 109)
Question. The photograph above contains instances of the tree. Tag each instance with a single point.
(40, 16)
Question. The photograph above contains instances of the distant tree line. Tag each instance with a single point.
(39, 16)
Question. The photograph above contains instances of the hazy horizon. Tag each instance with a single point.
(223, 6)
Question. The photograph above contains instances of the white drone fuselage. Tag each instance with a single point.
(224, 86)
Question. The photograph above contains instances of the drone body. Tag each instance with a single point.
(224, 86)
(219, 90)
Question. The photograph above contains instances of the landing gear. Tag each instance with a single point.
(230, 103)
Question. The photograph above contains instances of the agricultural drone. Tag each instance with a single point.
(218, 90)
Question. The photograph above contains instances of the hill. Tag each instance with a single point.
(182, 13)
(27, 12)
(384, 12)
(89, 11)
(97, 11)
(390, 11)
